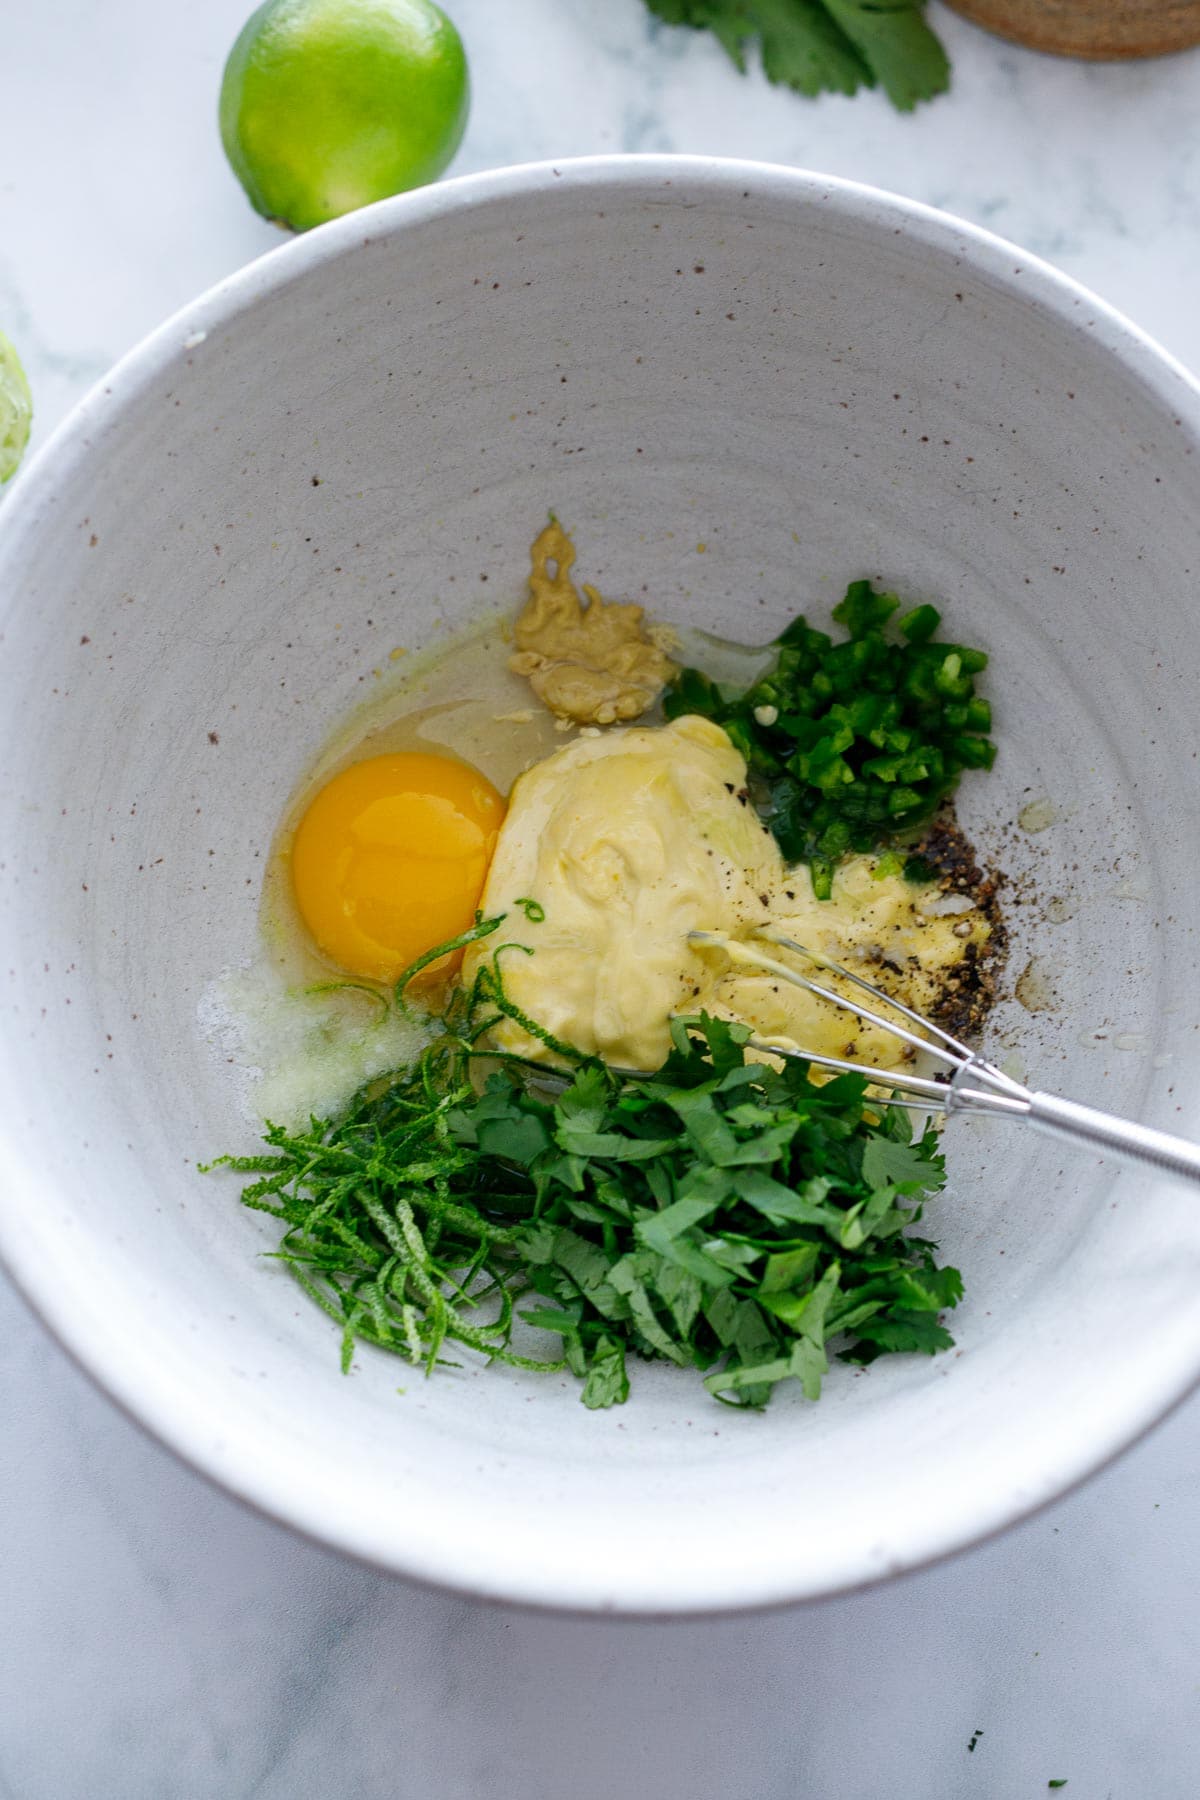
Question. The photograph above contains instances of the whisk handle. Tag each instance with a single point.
(1120, 1137)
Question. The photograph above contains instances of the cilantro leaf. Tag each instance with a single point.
(820, 46)
(805, 1312)
(519, 1137)
(804, 48)
(718, 1214)
(585, 1102)
(784, 1205)
(906, 1167)
(629, 1277)
(788, 1268)
(611, 1144)
(903, 54)
(558, 1318)
(682, 1252)
(606, 1383)
(681, 1292)
(901, 1330)
(504, 1124)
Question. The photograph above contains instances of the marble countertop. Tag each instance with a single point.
(157, 1640)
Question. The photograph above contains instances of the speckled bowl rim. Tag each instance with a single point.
(210, 1440)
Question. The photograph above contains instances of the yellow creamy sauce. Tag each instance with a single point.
(628, 841)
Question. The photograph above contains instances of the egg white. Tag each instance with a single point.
(292, 1042)
(298, 1051)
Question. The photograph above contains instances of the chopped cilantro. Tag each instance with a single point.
(717, 1214)
(851, 745)
(826, 46)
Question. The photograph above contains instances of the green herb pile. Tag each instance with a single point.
(716, 1214)
(855, 744)
(826, 46)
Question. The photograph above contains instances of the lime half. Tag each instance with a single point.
(327, 105)
(16, 409)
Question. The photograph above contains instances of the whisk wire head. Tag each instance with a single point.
(973, 1084)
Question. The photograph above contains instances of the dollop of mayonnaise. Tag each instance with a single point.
(629, 841)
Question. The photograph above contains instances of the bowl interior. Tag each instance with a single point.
(349, 448)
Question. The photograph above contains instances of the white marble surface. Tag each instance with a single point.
(156, 1640)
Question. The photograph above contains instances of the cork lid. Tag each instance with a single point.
(1100, 29)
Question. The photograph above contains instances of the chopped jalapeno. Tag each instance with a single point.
(863, 739)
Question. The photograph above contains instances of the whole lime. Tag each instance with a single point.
(16, 409)
(327, 105)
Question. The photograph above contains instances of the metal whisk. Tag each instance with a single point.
(968, 1083)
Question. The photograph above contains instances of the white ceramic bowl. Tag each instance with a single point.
(815, 381)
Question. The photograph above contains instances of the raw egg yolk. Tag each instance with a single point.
(390, 860)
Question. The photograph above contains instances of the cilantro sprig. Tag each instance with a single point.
(718, 1214)
(854, 744)
(826, 46)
